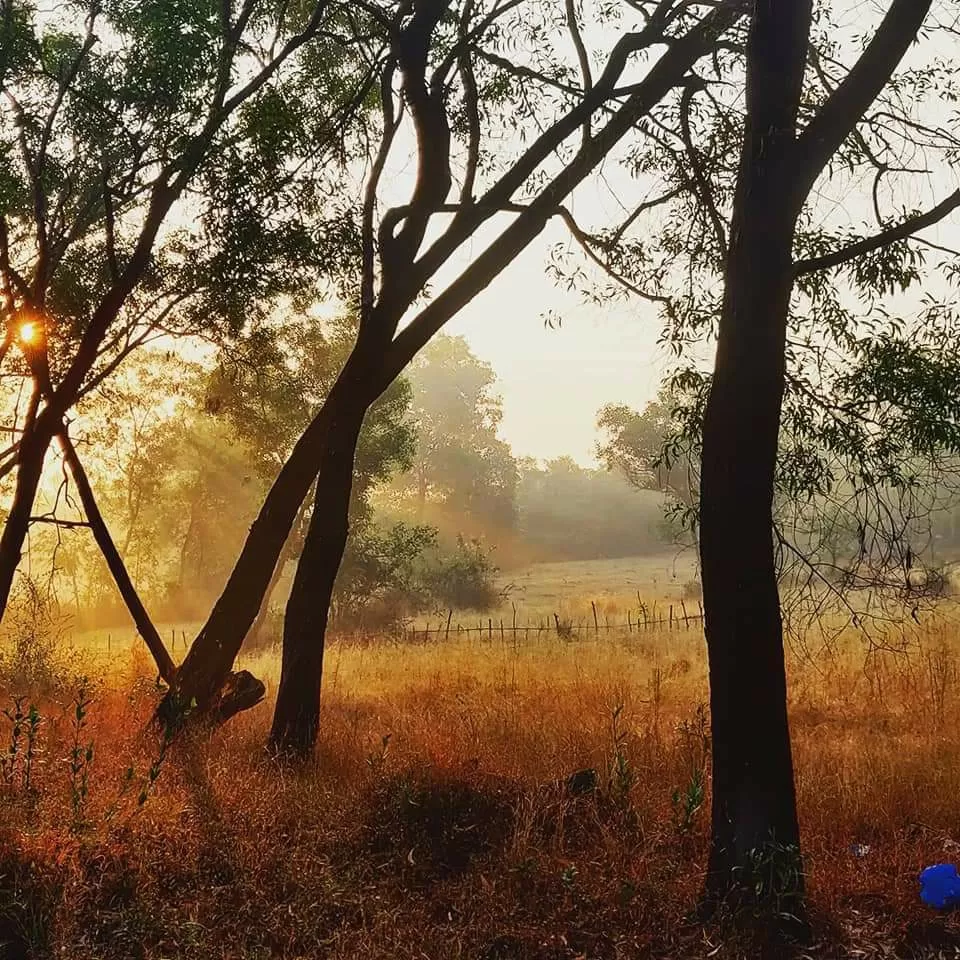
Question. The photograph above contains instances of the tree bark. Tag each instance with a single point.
(755, 843)
(118, 570)
(33, 451)
(754, 821)
(297, 713)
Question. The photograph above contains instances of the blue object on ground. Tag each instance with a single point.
(940, 886)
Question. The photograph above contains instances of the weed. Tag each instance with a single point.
(81, 752)
(773, 875)
(377, 759)
(620, 776)
(687, 799)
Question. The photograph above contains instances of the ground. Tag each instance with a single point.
(438, 820)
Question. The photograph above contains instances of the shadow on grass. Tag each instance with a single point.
(427, 827)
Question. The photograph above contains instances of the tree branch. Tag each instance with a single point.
(868, 244)
(824, 134)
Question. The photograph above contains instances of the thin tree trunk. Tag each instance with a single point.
(32, 453)
(755, 835)
(118, 570)
(253, 634)
(297, 712)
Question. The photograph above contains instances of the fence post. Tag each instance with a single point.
(449, 618)
(671, 616)
(686, 619)
(596, 625)
(629, 622)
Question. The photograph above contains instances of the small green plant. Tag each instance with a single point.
(621, 776)
(153, 774)
(773, 875)
(33, 722)
(568, 877)
(687, 799)
(17, 717)
(23, 747)
(81, 754)
(686, 802)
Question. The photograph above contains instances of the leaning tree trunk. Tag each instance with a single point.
(297, 713)
(30, 457)
(114, 561)
(207, 666)
(755, 836)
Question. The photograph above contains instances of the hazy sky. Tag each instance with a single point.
(553, 381)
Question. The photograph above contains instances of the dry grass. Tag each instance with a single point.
(435, 821)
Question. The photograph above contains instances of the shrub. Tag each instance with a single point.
(463, 579)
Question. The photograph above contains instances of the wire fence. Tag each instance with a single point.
(671, 616)
(665, 616)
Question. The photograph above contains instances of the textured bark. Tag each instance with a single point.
(33, 451)
(755, 852)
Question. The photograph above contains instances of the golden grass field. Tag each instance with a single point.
(434, 822)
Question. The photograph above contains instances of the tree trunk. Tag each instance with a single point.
(297, 712)
(33, 451)
(118, 570)
(755, 836)
(210, 659)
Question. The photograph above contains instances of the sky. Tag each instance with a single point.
(553, 381)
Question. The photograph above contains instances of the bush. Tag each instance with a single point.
(463, 579)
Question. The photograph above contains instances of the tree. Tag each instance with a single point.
(755, 837)
(648, 449)
(145, 190)
(816, 383)
(453, 64)
(460, 462)
(569, 512)
(268, 384)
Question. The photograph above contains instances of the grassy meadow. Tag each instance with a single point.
(437, 820)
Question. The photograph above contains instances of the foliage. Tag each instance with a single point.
(462, 579)
(869, 426)
(31, 657)
(638, 444)
(459, 461)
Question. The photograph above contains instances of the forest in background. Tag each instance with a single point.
(185, 451)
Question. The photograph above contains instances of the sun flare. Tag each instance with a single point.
(29, 331)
